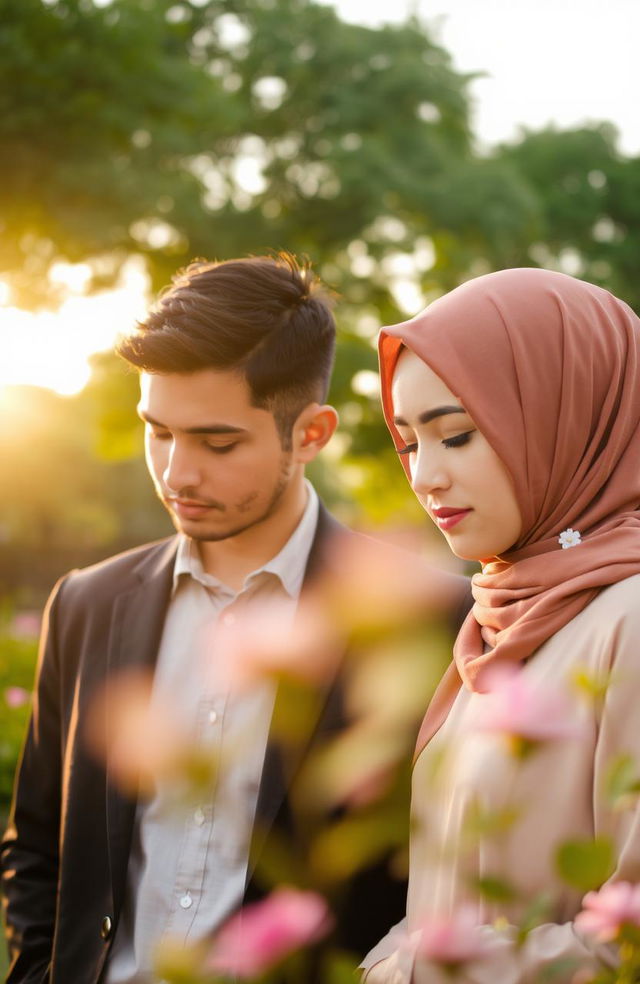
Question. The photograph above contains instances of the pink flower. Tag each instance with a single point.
(144, 741)
(263, 933)
(606, 912)
(452, 940)
(267, 640)
(521, 709)
(16, 696)
(368, 583)
(26, 625)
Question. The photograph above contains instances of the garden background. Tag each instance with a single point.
(136, 135)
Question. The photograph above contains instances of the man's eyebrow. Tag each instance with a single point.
(427, 415)
(202, 429)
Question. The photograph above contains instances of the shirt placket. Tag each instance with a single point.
(198, 825)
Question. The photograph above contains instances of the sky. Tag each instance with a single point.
(561, 61)
(566, 61)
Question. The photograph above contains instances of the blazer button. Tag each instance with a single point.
(105, 928)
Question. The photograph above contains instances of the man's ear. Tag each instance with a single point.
(313, 428)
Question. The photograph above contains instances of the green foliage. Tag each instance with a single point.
(587, 204)
(481, 822)
(338, 969)
(593, 687)
(586, 864)
(224, 127)
(123, 126)
(623, 782)
(17, 667)
(218, 128)
(538, 911)
(495, 890)
(68, 502)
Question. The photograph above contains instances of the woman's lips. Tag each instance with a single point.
(446, 517)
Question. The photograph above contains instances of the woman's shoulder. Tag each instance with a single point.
(609, 626)
(603, 632)
(620, 600)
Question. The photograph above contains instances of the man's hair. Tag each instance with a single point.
(266, 317)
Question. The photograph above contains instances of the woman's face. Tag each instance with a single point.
(455, 473)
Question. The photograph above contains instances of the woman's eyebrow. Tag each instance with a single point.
(427, 415)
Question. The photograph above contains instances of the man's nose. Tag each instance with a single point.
(181, 471)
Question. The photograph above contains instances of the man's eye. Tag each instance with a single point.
(160, 435)
(458, 440)
(408, 449)
(221, 448)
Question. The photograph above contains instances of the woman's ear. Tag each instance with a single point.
(313, 429)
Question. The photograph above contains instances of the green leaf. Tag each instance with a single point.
(585, 864)
(482, 822)
(593, 685)
(559, 971)
(495, 889)
(536, 913)
(622, 784)
(339, 968)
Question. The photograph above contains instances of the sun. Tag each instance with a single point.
(52, 349)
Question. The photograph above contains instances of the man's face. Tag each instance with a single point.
(216, 461)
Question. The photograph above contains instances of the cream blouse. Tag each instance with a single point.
(529, 807)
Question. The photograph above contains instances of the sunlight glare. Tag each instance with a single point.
(52, 349)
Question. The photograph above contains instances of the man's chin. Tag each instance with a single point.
(207, 534)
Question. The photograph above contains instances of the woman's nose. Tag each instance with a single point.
(428, 474)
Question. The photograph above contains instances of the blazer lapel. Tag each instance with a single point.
(134, 638)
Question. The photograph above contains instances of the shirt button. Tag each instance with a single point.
(105, 928)
(186, 901)
(228, 618)
(199, 816)
(213, 717)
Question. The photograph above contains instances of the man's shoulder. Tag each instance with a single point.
(121, 571)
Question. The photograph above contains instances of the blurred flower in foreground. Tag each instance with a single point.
(607, 912)
(265, 640)
(369, 584)
(136, 735)
(452, 940)
(354, 769)
(525, 712)
(264, 933)
(16, 696)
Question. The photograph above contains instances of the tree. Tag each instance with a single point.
(588, 198)
(220, 128)
(224, 127)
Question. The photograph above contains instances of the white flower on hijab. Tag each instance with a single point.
(569, 538)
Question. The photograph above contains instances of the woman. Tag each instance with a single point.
(514, 403)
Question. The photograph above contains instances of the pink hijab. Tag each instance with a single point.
(548, 367)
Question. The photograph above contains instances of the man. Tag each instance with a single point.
(234, 364)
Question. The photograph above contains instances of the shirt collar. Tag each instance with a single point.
(288, 565)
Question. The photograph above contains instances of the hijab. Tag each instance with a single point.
(548, 367)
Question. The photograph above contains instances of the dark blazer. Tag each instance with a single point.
(66, 849)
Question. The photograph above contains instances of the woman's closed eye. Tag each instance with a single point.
(458, 440)
(408, 449)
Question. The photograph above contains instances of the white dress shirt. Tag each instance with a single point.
(188, 861)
